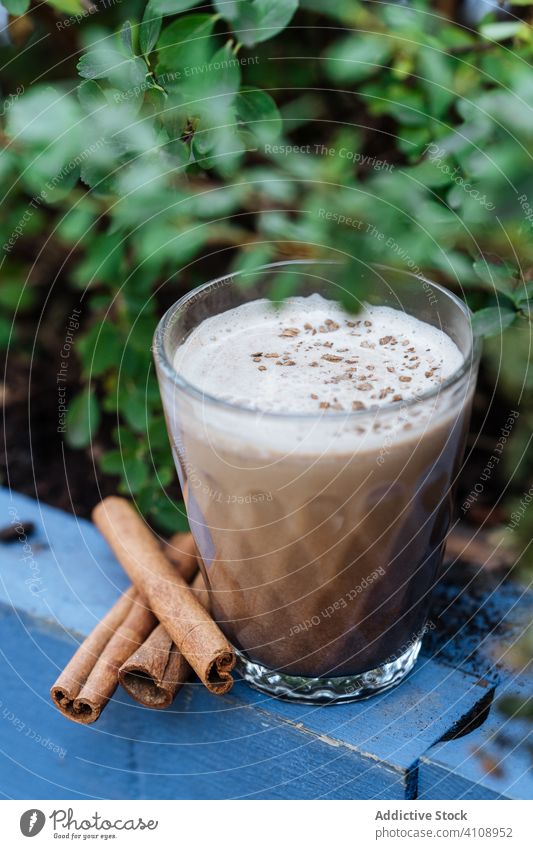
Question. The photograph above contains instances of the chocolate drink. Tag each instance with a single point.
(319, 493)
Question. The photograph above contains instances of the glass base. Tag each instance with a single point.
(347, 688)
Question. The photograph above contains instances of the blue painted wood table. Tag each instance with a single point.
(431, 738)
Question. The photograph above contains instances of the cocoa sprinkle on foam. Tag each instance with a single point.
(398, 357)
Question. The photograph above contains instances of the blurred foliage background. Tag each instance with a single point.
(146, 147)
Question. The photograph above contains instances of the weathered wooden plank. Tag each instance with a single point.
(473, 612)
(68, 576)
(492, 762)
(204, 747)
(481, 613)
(243, 745)
(395, 727)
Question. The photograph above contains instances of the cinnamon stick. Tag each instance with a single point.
(200, 591)
(181, 550)
(157, 670)
(190, 627)
(91, 676)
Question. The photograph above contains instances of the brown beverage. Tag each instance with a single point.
(320, 516)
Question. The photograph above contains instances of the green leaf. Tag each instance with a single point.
(149, 31)
(357, 56)
(167, 515)
(45, 116)
(100, 62)
(248, 262)
(125, 439)
(258, 111)
(136, 71)
(157, 434)
(257, 20)
(429, 174)
(102, 262)
(177, 149)
(499, 277)
(169, 7)
(525, 292)
(526, 307)
(135, 474)
(82, 420)
(157, 244)
(69, 7)
(406, 105)
(223, 77)
(6, 332)
(402, 18)
(184, 46)
(132, 403)
(126, 37)
(100, 348)
(165, 474)
(229, 9)
(212, 89)
(501, 30)
(112, 462)
(283, 284)
(16, 7)
(16, 295)
(106, 62)
(436, 72)
(492, 320)
(91, 96)
(96, 176)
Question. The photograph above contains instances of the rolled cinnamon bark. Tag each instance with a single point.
(190, 627)
(91, 676)
(181, 550)
(157, 670)
(200, 592)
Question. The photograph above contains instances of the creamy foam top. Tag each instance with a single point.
(309, 355)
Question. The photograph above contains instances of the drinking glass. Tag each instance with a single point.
(320, 534)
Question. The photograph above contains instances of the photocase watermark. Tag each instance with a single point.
(67, 825)
(66, 820)
(34, 581)
(27, 731)
(518, 514)
(147, 85)
(196, 484)
(235, 62)
(413, 640)
(10, 100)
(343, 220)
(323, 150)
(406, 258)
(491, 463)
(32, 822)
(389, 242)
(526, 208)
(339, 604)
(184, 73)
(436, 155)
(73, 325)
(43, 197)
(74, 20)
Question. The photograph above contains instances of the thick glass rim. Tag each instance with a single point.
(334, 415)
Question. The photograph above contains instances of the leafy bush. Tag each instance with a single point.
(200, 138)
